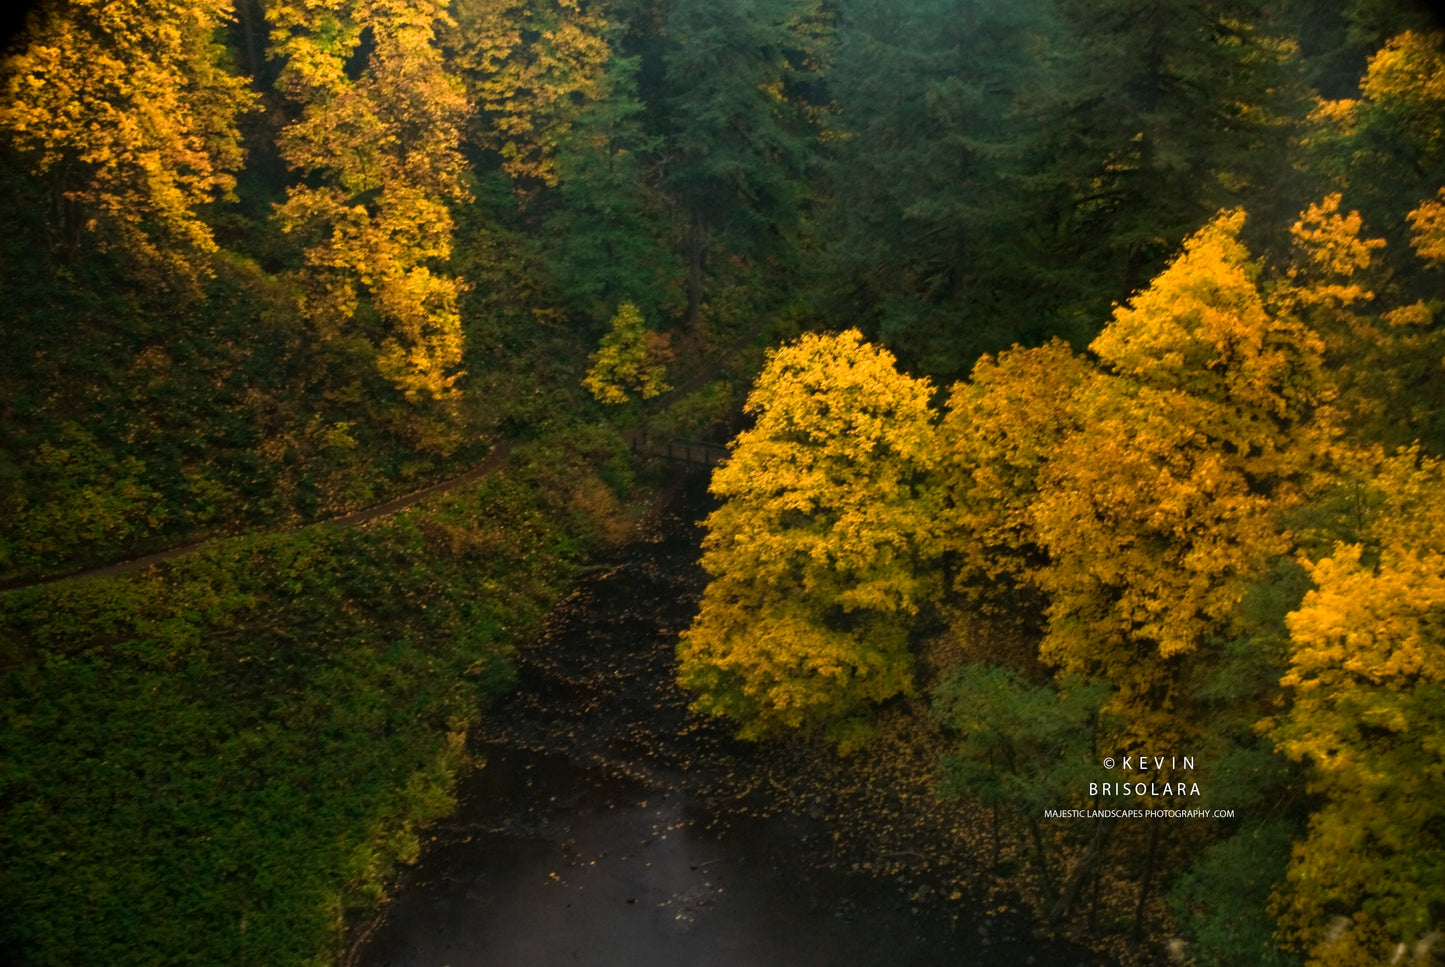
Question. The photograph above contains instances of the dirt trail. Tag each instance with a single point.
(498, 455)
(493, 459)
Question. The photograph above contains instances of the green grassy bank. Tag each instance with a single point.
(223, 760)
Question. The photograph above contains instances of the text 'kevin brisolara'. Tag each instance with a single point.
(1143, 788)
(1138, 814)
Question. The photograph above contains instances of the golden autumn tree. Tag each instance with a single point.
(1428, 222)
(377, 149)
(1001, 427)
(627, 359)
(1159, 512)
(1385, 150)
(1402, 108)
(1367, 670)
(1384, 357)
(817, 553)
(532, 66)
(1328, 281)
(129, 111)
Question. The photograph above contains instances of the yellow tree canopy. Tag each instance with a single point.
(1407, 79)
(1201, 330)
(1367, 667)
(128, 107)
(1428, 221)
(532, 66)
(380, 157)
(1384, 360)
(626, 360)
(1385, 148)
(1159, 479)
(1000, 430)
(817, 552)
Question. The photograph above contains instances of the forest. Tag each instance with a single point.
(1081, 364)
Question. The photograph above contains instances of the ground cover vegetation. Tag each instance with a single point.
(226, 759)
(267, 263)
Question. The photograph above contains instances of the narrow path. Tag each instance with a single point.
(493, 459)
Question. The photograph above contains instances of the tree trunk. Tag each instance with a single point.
(247, 14)
(994, 863)
(1042, 858)
(1147, 881)
(1080, 874)
(696, 247)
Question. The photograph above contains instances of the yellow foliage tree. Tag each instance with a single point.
(1000, 430)
(1384, 360)
(1386, 149)
(1428, 221)
(1406, 78)
(128, 109)
(818, 552)
(380, 160)
(532, 67)
(1367, 669)
(1143, 498)
(626, 360)
(1330, 283)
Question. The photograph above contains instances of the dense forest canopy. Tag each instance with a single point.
(1112, 323)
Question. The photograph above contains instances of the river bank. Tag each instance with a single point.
(609, 825)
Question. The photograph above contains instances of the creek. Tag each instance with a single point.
(609, 826)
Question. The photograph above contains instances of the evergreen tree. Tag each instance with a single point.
(1014, 169)
(738, 141)
(603, 229)
(932, 229)
(1169, 112)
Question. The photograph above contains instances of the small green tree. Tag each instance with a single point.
(1222, 899)
(1019, 748)
(627, 359)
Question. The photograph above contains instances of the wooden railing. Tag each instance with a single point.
(694, 452)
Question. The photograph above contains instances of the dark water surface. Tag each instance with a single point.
(610, 827)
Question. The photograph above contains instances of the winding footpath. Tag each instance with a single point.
(636, 439)
(494, 458)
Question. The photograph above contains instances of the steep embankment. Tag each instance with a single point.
(222, 760)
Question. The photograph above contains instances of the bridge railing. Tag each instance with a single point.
(695, 452)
